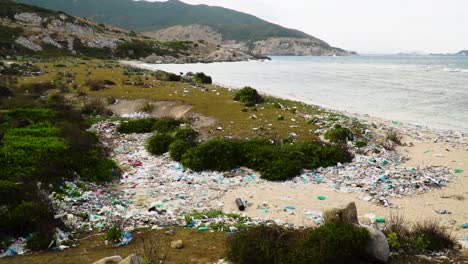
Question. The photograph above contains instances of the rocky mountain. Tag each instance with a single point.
(462, 53)
(30, 30)
(175, 20)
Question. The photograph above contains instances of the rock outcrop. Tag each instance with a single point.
(269, 46)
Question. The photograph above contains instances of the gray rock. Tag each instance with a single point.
(28, 18)
(132, 259)
(109, 260)
(343, 215)
(27, 43)
(377, 247)
(177, 244)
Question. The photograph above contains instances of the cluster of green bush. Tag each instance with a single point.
(423, 236)
(248, 96)
(166, 76)
(177, 142)
(274, 162)
(148, 125)
(339, 134)
(201, 78)
(40, 145)
(329, 243)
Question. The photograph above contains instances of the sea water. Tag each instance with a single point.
(425, 90)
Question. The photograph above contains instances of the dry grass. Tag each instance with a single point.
(206, 247)
(213, 102)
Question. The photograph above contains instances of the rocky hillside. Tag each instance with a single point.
(269, 46)
(29, 30)
(175, 20)
(462, 53)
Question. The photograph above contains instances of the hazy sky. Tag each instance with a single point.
(367, 26)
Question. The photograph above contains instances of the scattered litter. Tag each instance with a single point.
(457, 170)
(321, 197)
(443, 212)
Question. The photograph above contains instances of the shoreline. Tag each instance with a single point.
(436, 130)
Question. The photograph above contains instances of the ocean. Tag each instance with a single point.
(423, 90)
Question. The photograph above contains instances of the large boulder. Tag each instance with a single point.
(346, 214)
(132, 259)
(377, 247)
(109, 260)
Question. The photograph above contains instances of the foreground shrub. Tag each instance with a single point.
(201, 78)
(336, 242)
(158, 144)
(274, 162)
(248, 96)
(178, 148)
(167, 76)
(38, 241)
(329, 243)
(186, 134)
(339, 135)
(393, 136)
(166, 124)
(113, 234)
(426, 235)
(95, 107)
(144, 125)
(97, 85)
(215, 154)
(431, 235)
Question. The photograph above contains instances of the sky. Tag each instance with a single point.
(367, 26)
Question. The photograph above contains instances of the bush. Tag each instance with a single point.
(95, 107)
(215, 154)
(146, 107)
(267, 244)
(431, 235)
(167, 76)
(393, 136)
(38, 241)
(186, 134)
(178, 148)
(113, 234)
(249, 96)
(159, 144)
(144, 125)
(329, 243)
(166, 124)
(339, 135)
(336, 242)
(201, 78)
(273, 162)
(97, 85)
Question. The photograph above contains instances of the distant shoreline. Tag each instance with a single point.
(437, 130)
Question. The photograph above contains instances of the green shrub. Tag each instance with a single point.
(329, 243)
(339, 135)
(146, 107)
(336, 242)
(9, 192)
(330, 155)
(166, 124)
(394, 136)
(144, 125)
(201, 78)
(95, 107)
(286, 165)
(186, 134)
(248, 95)
(431, 235)
(27, 216)
(167, 76)
(267, 244)
(178, 148)
(215, 154)
(393, 241)
(158, 144)
(113, 234)
(38, 241)
(360, 143)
